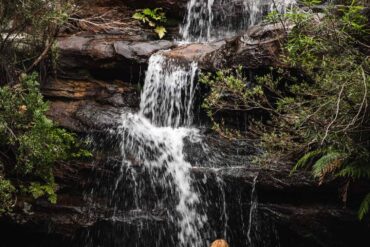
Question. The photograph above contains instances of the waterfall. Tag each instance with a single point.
(154, 138)
(199, 18)
(154, 174)
(209, 20)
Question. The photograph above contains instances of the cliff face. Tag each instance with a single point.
(99, 76)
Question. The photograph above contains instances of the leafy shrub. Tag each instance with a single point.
(31, 139)
(154, 18)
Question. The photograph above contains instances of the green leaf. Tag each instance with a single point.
(138, 16)
(161, 31)
(148, 12)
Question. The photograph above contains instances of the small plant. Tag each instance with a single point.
(155, 18)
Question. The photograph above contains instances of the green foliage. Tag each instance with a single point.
(324, 162)
(28, 28)
(6, 195)
(355, 170)
(32, 138)
(319, 116)
(228, 91)
(30, 144)
(327, 164)
(38, 190)
(154, 18)
(352, 18)
(24, 123)
(307, 158)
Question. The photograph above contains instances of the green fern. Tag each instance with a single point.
(304, 161)
(328, 163)
(364, 207)
(355, 171)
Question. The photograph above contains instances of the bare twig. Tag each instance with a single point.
(336, 113)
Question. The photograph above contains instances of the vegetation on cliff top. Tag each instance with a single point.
(315, 110)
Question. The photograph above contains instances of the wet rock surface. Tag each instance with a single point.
(290, 209)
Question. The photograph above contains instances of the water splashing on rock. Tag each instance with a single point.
(154, 139)
(168, 94)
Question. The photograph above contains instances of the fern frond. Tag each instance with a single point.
(355, 171)
(327, 164)
(364, 207)
(307, 158)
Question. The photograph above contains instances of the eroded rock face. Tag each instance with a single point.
(105, 56)
(85, 106)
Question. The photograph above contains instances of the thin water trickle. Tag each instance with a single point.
(221, 185)
(252, 210)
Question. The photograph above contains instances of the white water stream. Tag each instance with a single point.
(154, 138)
(209, 20)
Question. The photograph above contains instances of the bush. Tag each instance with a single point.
(31, 142)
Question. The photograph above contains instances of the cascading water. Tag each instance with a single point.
(209, 20)
(154, 139)
(198, 25)
(154, 164)
(168, 95)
